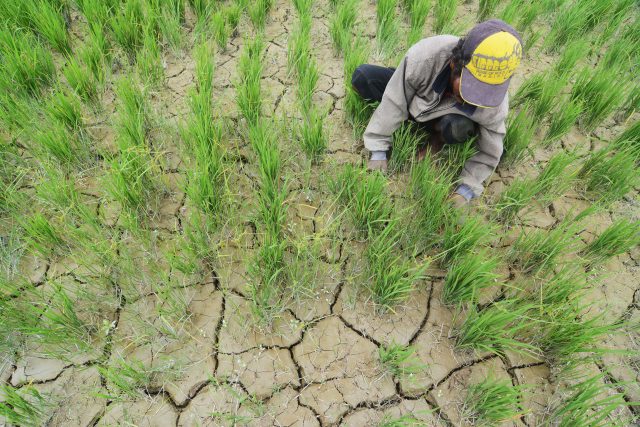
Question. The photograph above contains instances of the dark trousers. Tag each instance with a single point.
(370, 81)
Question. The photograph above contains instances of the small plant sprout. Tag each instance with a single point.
(128, 25)
(598, 94)
(342, 24)
(520, 130)
(258, 11)
(467, 277)
(561, 121)
(418, 11)
(149, 59)
(312, 135)
(49, 23)
(492, 402)
(400, 360)
(248, 93)
(464, 237)
(610, 173)
(617, 239)
(486, 9)
(65, 109)
(496, 328)
(81, 80)
(219, 29)
(24, 406)
(387, 34)
(445, 11)
(405, 144)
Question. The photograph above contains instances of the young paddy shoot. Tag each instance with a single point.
(468, 276)
(418, 11)
(492, 402)
(445, 11)
(48, 21)
(400, 360)
(248, 94)
(616, 239)
(610, 173)
(387, 34)
(342, 24)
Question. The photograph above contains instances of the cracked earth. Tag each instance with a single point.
(317, 364)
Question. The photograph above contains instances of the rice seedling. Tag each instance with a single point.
(630, 139)
(95, 53)
(617, 13)
(24, 406)
(463, 237)
(572, 53)
(312, 136)
(15, 111)
(128, 26)
(486, 9)
(358, 110)
(492, 402)
(342, 24)
(431, 188)
(267, 272)
(495, 327)
(307, 81)
(405, 145)
(49, 23)
(392, 278)
(131, 126)
(418, 11)
(54, 140)
(299, 45)
(539, 250)
(515, 198)
(387, 34)
(445, 11)
(370, 206)
(467, 277)
(97, 12)
(57, 190)
(232, 14)
(219, 29)
(556, 178)
(562, 120)
(400, 360)
(149, 59)
(128, 379)
(530, 90)
(258, 12)
(617, 239)
(169, 22)
(600, 95)
(202, 9)
(548, 96)
(81, 80)
(65, 109)
(589, 403)
(575, 20)
(27, 67)
(248, 93)
(520, 130)
(632, 103)
(610, 173)
(41, 235)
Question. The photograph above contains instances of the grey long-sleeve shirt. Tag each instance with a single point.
(410, 94)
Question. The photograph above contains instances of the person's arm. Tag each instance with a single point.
(391, 112)
(481, 165)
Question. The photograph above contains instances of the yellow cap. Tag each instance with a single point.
(496, 58)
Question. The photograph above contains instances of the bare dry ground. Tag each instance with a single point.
(317, 363)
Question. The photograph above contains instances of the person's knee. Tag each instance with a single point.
(359, 80)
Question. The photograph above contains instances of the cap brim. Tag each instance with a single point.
(481, 94)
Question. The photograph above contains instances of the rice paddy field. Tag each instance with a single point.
(189, 237)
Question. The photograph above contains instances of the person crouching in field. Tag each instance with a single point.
(456, 88)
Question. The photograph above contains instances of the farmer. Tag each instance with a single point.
(456, 88)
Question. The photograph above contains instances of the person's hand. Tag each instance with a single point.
(377, 165)
(458, 201)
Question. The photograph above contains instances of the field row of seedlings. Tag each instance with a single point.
(188, 235)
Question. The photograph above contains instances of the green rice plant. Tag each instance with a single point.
(127, 26)
(610, 173)
(49, 23)
(392, 278)
(169, 22)
(463, 237)
(556, 178)
(630, 137)
(512, 200)
(600, 95)
(95, 53)
(57, 191)
(561, 120)
(400, 360)
(539, 250)
(54, 140)
(248, 93)
(370, 207)
(202, 9)
(206, 179)
(258, 11)
(521, 14)
(303, 7)
(467, 277)
(574, 20)
(312, 135)
(24, 406)
(431, 189)
(573, 52)
(307, 81)
(590, 403)
(520, 130)
(496, 328)
(617, 239)
(131, 124)
(445, 11)
(232, 14)
(299, 49)
(65, 109)
(267, 272)
(219, 29)
(632, 103)
(41, 235)
(127, 379)
(530, 89)
(81, 80)
(149, 59)
(97, 12)
(548, 96)
(15, 111)
(342, 23)
(486, 9)
(492, 402)
(402, 421)
(406, 140)
(27, 67)
(418, 11)
(618, 12)
(387, 34)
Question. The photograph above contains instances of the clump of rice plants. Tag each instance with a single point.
(530, 89)
(219, 29)
(486, 9)
(131, 125)
(406, 140)
(445, 11)
(561, 121)
(127, 26)
(24, 406)
(97, 12)
(518, 195)
(248, 93)
(55, 141)
(267, 271)
(520, 130)
(617, 239)
(492, 402)
(610, 173)
(400, 360)
(521, 14)
(467, 276)
(312, 135)
(539, 250)
(65, 109)
(575, 20)
(572, 53)
(599, 94)
(149, 58)
(27, 67)
(49, 23)
(258, 11)
(496, 328)
(392, 277)
(387, 34)
(630, 138)
(95, 53)
(342, 24)
(418, 11)
(358, 110)
(81, 80)
(463, 237)
(128, 379)
(232, 14)
(41, 235)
